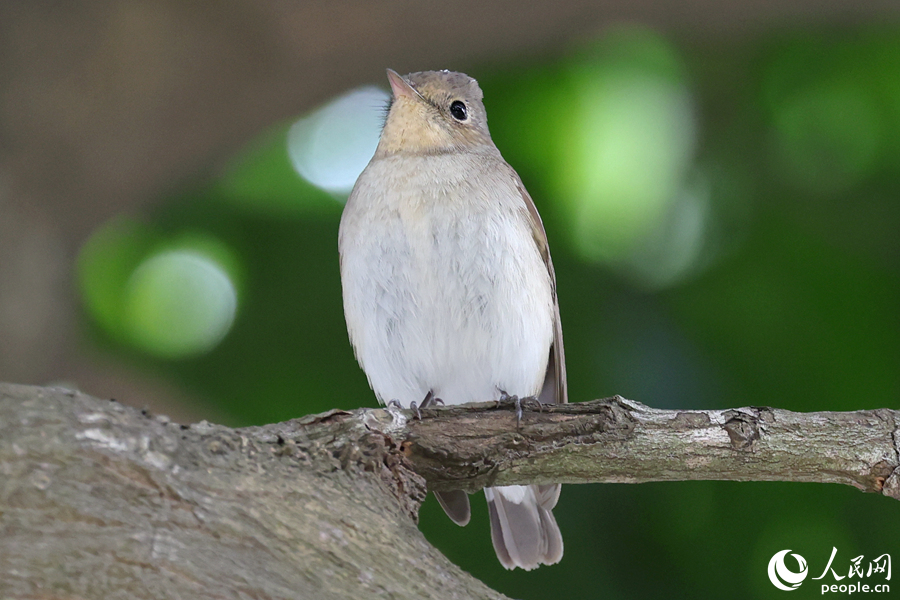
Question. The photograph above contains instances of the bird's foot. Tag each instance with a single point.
(415, 407)
(520, 405)
(429, 401)
(504, 398)
(395, 408)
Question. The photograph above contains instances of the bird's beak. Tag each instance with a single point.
(400, 87)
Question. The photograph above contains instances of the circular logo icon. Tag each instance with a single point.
(782, 577)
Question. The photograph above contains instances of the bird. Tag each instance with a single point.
(449, 292)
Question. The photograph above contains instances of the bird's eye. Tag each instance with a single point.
(458, 110)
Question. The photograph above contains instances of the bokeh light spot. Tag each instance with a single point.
(636, 139)
(331, 146)
(627, 147)
(179, 303)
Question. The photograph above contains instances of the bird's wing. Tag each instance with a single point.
(555, 390)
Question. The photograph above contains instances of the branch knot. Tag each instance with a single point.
(743, 429)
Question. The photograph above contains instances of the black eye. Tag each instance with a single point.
(458, 110)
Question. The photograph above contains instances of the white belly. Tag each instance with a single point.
(442, 298)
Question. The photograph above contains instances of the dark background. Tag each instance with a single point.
(742, 249)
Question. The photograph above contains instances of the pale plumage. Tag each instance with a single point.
(448, 285)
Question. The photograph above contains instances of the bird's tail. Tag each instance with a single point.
(523, 529)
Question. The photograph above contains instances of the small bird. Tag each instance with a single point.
(449, 290)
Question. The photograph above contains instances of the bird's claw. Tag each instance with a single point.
(520, 405)
(430, 400)
(414, 407)
(504, 397)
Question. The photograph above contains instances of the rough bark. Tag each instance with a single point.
(98, 500)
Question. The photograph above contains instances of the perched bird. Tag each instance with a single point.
(449, 291)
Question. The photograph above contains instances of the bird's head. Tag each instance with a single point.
(434, 112)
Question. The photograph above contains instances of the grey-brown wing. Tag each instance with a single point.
(555, 390)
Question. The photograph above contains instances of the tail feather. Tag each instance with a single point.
(523, 529)
(547, 495)
(456, 504)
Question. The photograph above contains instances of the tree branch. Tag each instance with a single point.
(98, 499)
(621, 441)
